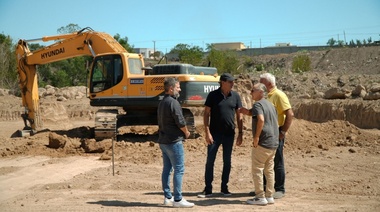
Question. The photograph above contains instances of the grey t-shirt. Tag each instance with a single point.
(270, 133)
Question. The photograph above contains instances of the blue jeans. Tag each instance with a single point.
(173, 158)
(227, 142)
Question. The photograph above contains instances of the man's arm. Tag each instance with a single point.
(288, 121)
(239, 120)
(206, 121)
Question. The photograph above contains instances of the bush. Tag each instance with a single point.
(259, 67)
(301, 63)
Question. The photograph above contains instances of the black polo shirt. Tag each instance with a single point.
(222, 115)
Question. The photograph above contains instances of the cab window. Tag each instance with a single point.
(107, 72)
(135, 66)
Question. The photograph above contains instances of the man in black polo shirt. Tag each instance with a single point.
(221, 107)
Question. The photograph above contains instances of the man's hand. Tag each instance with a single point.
(187, 135)
(209, 138)
(244, 111)
(239, 139)
(255, 142)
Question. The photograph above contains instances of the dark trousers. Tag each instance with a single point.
(279, 168)
(227, 142)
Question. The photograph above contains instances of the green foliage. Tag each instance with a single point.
(34, 46)
(73, 70)
(259, 67)
(331, 42)
(192, 55)
(369, 40)
(341, 43)
(60, 79)
(248, 62)
(301, 63)
(124, 42)
(8, 73)
(276, 72)
(70, 28)
(224, 61)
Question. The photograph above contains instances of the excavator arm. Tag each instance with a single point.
(66, 46)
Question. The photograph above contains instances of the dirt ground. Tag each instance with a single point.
(331, 165)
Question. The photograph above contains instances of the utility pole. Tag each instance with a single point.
(344, 33)
(154, 50)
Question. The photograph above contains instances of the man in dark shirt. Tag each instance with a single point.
(172, 132)
(221, 106)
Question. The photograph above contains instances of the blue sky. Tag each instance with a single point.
(167, 23)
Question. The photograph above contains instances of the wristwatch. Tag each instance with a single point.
(282, 132)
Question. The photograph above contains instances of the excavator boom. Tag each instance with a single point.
(66, 46)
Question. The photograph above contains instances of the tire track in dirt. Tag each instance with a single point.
(32, 171)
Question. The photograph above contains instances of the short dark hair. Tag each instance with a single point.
(170, 82)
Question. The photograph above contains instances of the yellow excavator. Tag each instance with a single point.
(117, 78)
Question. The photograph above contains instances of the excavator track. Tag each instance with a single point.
(190, 123)
(107, 122)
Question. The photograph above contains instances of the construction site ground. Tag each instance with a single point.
(331, 165)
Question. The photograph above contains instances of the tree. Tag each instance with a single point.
(70, 28)
(60, 79)
(224, 61)
(186, 54)
(358, 42)
(193, 55)
(331, 42)
(124, 42)
(8, 75)
(70, 72)
(341, 43)
(209, 47)
(369, 40)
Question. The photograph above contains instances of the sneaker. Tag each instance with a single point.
(226, 193)
(169, 202)
(257, 201)
(278, 195)
(183, 204)
(205, 194)
(270, 200)
(252, 193)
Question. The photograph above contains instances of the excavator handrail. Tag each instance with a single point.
(59, 37)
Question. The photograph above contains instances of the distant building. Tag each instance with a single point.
(145, 52)
(283, 44)
(238, 46)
